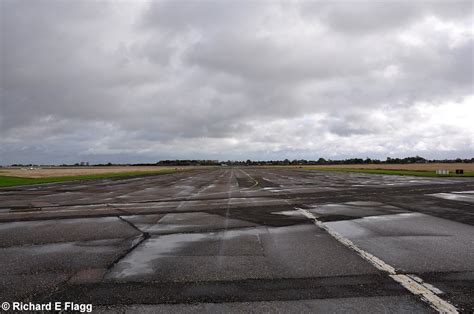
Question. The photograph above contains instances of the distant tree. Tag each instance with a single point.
(321, 161)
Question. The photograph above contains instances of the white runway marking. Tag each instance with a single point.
(412, 283)
(251, 178)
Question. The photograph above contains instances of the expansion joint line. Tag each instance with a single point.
(428, 293)
(145, 234)
(135, 243)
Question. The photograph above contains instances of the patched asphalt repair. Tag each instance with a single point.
(235, 240)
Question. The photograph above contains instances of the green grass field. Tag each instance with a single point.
(416, 173)
(14, 181)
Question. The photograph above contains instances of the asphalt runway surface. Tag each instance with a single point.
(242, 240)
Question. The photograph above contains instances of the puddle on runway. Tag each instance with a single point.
(397, 225)
(412, 242)
(268, 188)
(141, 260)
(353, 210)
(364, 203)
(197, 221)
(146, 257)
(391, 217)
(291, 213)
(348, 228)
(465, 196)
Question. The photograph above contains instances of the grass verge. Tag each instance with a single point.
(14, 181)
(416, 173)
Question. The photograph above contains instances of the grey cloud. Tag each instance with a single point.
(350, 125)
(362, 16)
(208, 15)
(263, 59)
(167, 79)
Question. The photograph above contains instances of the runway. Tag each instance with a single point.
(242, 240)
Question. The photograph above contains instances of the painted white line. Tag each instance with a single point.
(251, 178)
(427, 292)
(378, 263)
(427, 285)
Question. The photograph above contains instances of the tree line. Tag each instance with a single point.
(349, 161)
(285, 162)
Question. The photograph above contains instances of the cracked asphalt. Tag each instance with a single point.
(234, 240)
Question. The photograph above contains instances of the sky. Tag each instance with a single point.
(142, 81)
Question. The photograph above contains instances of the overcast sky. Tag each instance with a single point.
(140, 81)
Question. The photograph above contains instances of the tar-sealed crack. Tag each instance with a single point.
(132, 225)
(135, 243)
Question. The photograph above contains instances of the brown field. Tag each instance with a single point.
(45, 172)
(468, 167)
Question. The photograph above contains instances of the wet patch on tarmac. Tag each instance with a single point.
(410, 241)
(236, 254)
(464, 196)
(351, 210)
(187, 222)
(437, 250)
(245, 182)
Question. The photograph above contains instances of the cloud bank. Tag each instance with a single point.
(140, 81)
